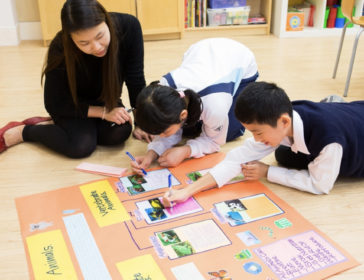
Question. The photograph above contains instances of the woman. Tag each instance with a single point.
(87, 63)
(200, 94)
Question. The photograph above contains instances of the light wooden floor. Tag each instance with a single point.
(301, 66)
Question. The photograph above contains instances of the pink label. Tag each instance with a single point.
(299, 255)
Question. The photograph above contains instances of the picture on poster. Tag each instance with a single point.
(195, 175)
(247, 209)
(156, 179)
(192, 239)
(153, 210)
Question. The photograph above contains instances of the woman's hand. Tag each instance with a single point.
(118, 115)
(142, 135)
(254, 170)
(174, 156)
(143, 162)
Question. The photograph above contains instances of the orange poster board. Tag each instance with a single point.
(108, 229)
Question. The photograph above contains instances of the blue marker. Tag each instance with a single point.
(169, 181)
(133, 159)
(170, 185)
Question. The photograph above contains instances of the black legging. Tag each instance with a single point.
(289, 159)
(77, 138)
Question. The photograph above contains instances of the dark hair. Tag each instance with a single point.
(80, 15)
(262, 103)
(158, 107)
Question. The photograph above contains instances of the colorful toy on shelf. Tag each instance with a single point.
(295, 20)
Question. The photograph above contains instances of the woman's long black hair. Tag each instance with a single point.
(158, 107)
(81, 15)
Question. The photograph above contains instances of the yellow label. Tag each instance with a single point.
(140, 268)
(104, 203)
(49, 256)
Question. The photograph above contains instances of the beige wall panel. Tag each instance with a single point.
(123, 6)
(160, 16)
(50, 11)
(27, 10)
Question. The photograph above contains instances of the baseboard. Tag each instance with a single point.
(9, 35)
(30, 31)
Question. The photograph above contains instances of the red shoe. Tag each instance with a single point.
(35, 120)
(3, 146)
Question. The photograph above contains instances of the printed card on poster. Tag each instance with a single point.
(247, 209)
(157, 179)
(195, 175)
(153, 210)
(192, 239)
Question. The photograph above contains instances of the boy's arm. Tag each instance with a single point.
(231, 165)
(318, 179)
(222, 172)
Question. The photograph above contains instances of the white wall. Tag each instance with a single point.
(9, 34)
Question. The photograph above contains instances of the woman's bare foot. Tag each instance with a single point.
(14, 136)
(45, 122)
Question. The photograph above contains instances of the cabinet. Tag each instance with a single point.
(263, 7)
(280, 17)
(159, 19)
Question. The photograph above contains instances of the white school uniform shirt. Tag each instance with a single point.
(318, 179)
(209, 62)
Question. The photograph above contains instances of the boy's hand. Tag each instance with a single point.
(176, 196)
(174, 156)
(172, 197)
(254, 170)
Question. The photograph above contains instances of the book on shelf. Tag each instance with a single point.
(195, 13)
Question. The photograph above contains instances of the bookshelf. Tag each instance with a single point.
(280, 17)
(263, 7)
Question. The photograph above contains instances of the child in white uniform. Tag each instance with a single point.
(200, 93)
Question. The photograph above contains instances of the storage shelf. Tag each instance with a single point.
(279, 19)
(263, 7)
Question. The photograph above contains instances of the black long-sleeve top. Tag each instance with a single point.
(57, 95)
